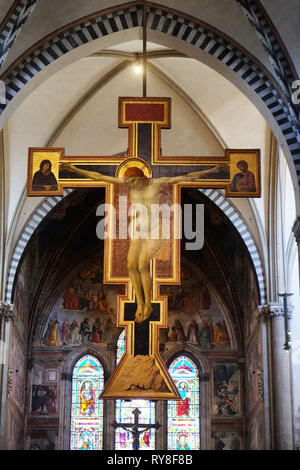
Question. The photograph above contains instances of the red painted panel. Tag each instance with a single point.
(144, 112)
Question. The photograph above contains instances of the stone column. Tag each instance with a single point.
(6, 316)
(280, 378)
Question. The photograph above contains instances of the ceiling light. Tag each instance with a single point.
(138, 69)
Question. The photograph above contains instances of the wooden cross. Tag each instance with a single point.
(134, 428)
(141, 372)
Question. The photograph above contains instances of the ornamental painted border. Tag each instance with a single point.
(216, 197)
(176, 24)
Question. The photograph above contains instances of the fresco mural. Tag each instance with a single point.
(260, 430)
(44, 395)
(194, 315)
(17, 372)
(44, 399)
(15, 431)
(255, 438)
(226, 440)
(41, 444)
(22, 295)
(254, 374)
(85, 311)
(226, 390)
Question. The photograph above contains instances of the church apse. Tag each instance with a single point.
(74, 312)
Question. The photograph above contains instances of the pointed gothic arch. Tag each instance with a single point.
(204, 390)
(266, 92)
(86, 409)
(215, 196)
(67, 391)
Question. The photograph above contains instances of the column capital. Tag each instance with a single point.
(274, 310)
(7, 311)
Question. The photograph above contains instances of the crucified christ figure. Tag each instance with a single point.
(145, 191)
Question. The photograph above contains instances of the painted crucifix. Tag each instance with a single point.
(144, 255)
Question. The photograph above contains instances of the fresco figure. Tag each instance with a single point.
(226, 405)
(146, 191)
(221, 337)
(71, 299)
(97, 332)
(65, 329)
(173, 334)
(193, 332)
(38, 399)
(203, 298)
(50, 400)
(54, 335)
(180, 330)
(102, 303)
(84, 302)
(74, 335)
(108, 327)
(204, 335)
(177, 301)
(90, 296)
(85, 331)
(211, 331)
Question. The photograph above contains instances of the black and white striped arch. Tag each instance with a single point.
(178, 26)
(212, 194)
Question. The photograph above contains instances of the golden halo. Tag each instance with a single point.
(134, 162)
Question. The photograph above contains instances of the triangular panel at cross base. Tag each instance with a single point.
(143, 377)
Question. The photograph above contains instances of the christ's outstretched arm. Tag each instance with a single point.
(193, 176)
(90, 174)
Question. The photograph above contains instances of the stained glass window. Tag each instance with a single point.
(183, 415)
(87, 409)
(124, 409)
(120, 346)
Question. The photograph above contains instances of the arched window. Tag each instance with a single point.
(124, 409)
(183, 415)
(87, 409)
(120, 346)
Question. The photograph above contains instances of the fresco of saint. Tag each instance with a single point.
(53, 336)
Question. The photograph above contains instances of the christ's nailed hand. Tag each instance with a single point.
(66, 166)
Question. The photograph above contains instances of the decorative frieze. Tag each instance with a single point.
(7, 311)
(10, 381)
